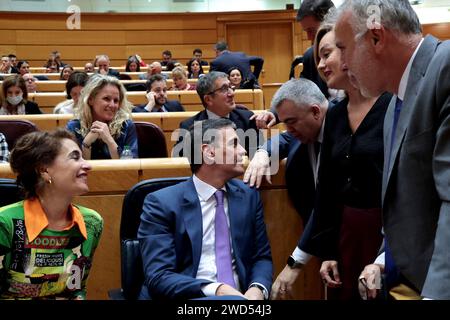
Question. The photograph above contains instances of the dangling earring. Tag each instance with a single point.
(49, 181)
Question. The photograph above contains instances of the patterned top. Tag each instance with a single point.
(4, 152)
(39, 263)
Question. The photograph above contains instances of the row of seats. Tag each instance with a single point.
(120, 69)
(252, 99)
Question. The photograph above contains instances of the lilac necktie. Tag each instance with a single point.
(223, 248)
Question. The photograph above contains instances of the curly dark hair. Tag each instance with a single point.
(32, 152)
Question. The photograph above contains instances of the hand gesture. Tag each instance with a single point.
(282, 287)
(102, 130)
(330, 274)
(151, 100)
(370, 281)
(264, 120)
(258, 167)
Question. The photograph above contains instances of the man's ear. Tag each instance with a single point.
(209, 154)
(315, 109)
(377, 38)
(208, 99)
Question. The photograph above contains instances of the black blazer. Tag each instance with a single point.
(170, 105)
(32, 108)
(229, 59)
(240, 116)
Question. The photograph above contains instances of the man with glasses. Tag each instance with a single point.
(30, 82)
(217, 96)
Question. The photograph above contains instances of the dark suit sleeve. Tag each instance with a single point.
(261, 270)
(157, 242)
(257, 63)
(279, 145)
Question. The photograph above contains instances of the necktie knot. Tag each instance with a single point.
(219, 197)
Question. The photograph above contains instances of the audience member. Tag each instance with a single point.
(103, 64)
(103, 124)
(13, 60)
(194, 68)
(4, 151)
(89, 67)
(133, 65)
(228, 253)
(153, 68)
(197, 54)
(52, 66)
(180, 81)
(391, 54)
(23, 66)
(235, 76)
(166, 58)
(157, 97)
(227, 59)
(47, 243)
(15, 92)
(30, 82)
(6, 66)
(77, 80)
(66, 71)
(217, 96)
(57, 55)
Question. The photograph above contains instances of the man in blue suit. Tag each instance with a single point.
(227, 59)
(384, 49)
(157, 97)
(183, 226)
(302, 107)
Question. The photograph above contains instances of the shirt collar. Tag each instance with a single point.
(36, 219)
(404, 80)
(212, 115)
(204, 190)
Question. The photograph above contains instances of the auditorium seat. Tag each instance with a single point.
(151, 140)
(14, 129)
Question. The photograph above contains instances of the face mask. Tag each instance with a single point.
(15, 100)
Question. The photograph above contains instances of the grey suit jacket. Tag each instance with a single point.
(416, 178)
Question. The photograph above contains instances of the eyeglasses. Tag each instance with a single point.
(223, 89)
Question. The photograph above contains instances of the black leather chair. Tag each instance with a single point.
(10, 192)
(14, 129)
(132, 275)
(151, 140)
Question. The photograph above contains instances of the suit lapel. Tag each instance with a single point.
(192, 215)
(418, 69)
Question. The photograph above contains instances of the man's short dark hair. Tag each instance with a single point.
(221, 46)
(167, 53)
(11, 55)
(195, 140)
(197, 50)
(315, 8)
(153, 78)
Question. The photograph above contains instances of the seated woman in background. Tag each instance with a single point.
(235, 77)
(180, 82)
(103, 124)
(4, 151)
(47, 243)
(133, 65)
(195, 69)
(15, 95)
(52, 66)
(66, 71)
(77, 80)
(23, 66)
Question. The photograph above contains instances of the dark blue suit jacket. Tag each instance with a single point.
(170, 105)
(170, 236)
(228, 59)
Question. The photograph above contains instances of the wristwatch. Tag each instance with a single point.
(260, 287)
(294, 264)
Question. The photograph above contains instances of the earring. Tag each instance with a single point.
(49, 181)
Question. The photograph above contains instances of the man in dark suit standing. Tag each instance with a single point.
(217, 96)
(302, 107)
(310, 15)
(227, 59)
(384, 49)
(157, 97)
(206, 237)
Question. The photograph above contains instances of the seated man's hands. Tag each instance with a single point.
(264, 120)
(151, 100)
(330, 274)
(282, 287)
(258, 167)
(370, 281)
(227, 290)
(254, 293)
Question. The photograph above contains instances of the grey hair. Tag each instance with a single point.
(206, 83)
(302, 92)
(396, 15)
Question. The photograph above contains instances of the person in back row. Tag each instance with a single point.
(15, 97)
(157, 97)
(74, 84)
(206, 237)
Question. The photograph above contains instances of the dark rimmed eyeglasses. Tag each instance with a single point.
(223, 89)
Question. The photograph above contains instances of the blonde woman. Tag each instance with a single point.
(103, 124)
(180, 81)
